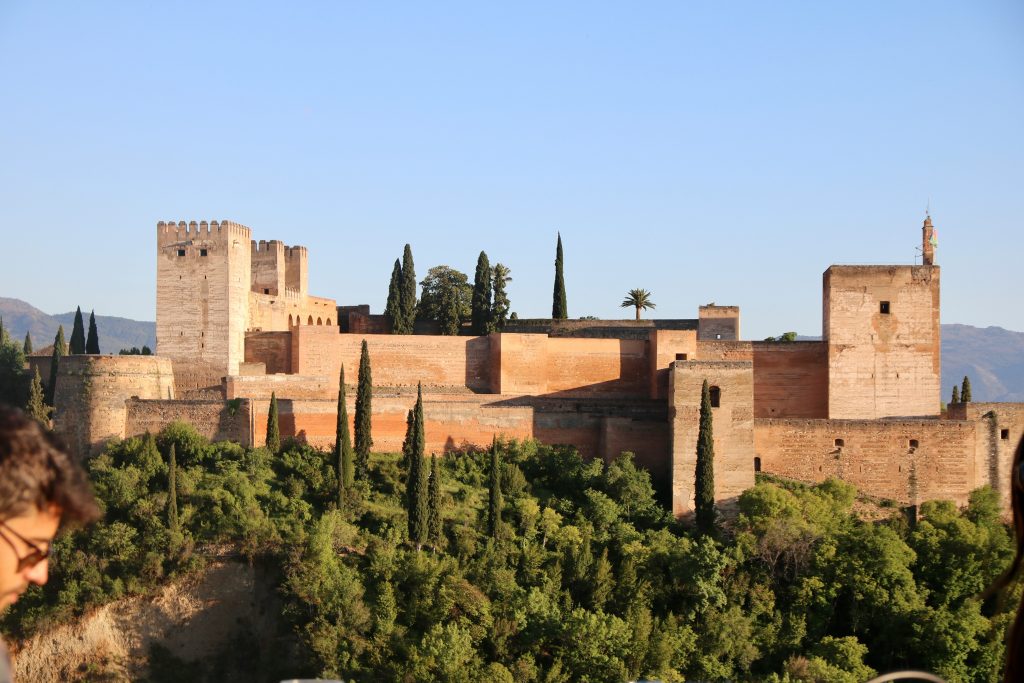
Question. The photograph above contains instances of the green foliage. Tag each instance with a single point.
(12, 364)
(92, 342)
(965, 390)
(500, 304)
(408, 291)
(393, 308)
(343, 452)
(956, 395)
(480, 305)
(364, 413)
(638, 299)
(704, 497)
(59, 351)
(435, 522)
(173, 523)
(27, 347)
(417, 484)
(495, 504)
(135, 351)
(445, 298)
(559, 307)
(273, 426)
(784, 337)
(36, 406)
(77, 344)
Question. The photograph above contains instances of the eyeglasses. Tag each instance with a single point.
(35, 555)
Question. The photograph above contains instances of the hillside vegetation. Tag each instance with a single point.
(585, 578)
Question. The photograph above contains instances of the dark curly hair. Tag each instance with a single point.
(36, 471)
(1015, 641)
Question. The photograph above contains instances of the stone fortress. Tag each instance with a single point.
(235, 322)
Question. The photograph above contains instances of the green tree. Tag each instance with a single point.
(784, 337)
(59, 351)
(435, 523)
(559, 307)
(12, 368)
(638, 299)
(92, 343)
(704, 488)
(500, 304)
(393, 309)
(445, 298)
(364, 413)
(27, 348)
(172, 491)
(36, 406)
(273, 426)
(343, 453)
(3, 331)
(956, 395)
(408, 298)
(602, 583)
(494, 500)
(965, 390)
(481, 300)
(417, 495)
(77, 343)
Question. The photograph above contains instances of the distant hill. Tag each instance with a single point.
(115, 333)
(992, 357)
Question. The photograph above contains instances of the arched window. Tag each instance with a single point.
(310, 321)
(757, 464)
(328, 321)
(289, 320)
(716, 396)
(319, 321)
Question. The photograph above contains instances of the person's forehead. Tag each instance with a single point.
(35, 523)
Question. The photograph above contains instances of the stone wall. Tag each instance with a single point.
(876, 456)
(273, 349)
(215, 420)
(999, 432)
(719, 323)
(790, 379)
(666, 347)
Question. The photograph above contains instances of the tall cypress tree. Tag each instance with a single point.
(435, 523)
(393, 309)
(408, 291)
(704, 489)
(499, 303)
(36, 406)
(480, 307)
(956, 394)
(273, 426)
(559, 308)
(364, 411)
(343, 443)
(417, 483)
(3, 331)
(59, 351)
(494, 500)
(965, 390)
(27, 348)
(172, 492)
(412, 476)
(77, 344)
(92, 343)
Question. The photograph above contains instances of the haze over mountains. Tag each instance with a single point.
(992, 357)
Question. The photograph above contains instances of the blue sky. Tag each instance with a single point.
(723, 152)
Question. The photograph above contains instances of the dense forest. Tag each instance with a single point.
(546, 568)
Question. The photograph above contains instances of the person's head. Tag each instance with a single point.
(1015, 642)
(40, 485)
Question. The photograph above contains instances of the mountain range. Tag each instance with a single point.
(991, 356)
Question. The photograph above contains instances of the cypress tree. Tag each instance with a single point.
(393, 309)
(494, 501)
(410, 435)
(92, 343)
(965, 391)
(77, 344)
(481, 302)
(59, 351)
(499, 303)
(408, 291)
(422, 476)
(704, 495)
(956, 394)
(602, 584)
(273, 427)
(343, 443)
(172, 492)
(36, 406)
(413, 475)
(27, 348)
(559, 308)
(364, 410)
(3, 331)
(435, 523)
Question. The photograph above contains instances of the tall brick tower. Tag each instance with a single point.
(881, 324)
(203, 279)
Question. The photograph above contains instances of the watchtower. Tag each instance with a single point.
(202, 298)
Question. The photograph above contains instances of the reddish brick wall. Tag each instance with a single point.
(666, 347)
(271, 348)
(216, 420)
(725, 350)
(790, 379)
(876, 456)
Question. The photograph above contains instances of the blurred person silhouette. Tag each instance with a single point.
(41, 487)
(1015, 641)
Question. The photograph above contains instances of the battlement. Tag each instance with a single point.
(170, 232)
(266, 246)
(296, 252)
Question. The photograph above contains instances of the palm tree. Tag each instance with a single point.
(638, 298)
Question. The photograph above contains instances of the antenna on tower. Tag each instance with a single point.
(928, 208)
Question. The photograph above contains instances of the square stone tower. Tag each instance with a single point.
(203, 279)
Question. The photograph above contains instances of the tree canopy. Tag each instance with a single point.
(446, 298)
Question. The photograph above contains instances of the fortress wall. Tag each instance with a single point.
(1000, 430)
(91, 394)
(718, 322)
(285, 386)
(725, 350)
(193, 375)
(647, 440)
(733, 424)
(876, 456)
(215, 420)
(274, 349)
(882, 364)
(790, 379)
(267, 259)
(610, 367)
(519, 364)
(666, 347)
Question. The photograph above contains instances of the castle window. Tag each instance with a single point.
(266, 291)
(914, 443)
(319, 321)
(289, 320)
(310, 321)
(757, 464)
(840, 443)
(718, 336)
(716, 397)
(181, 252)
(883, 307)
(1004, 434)
(202, 252)
(680, 356)
(328, 321)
